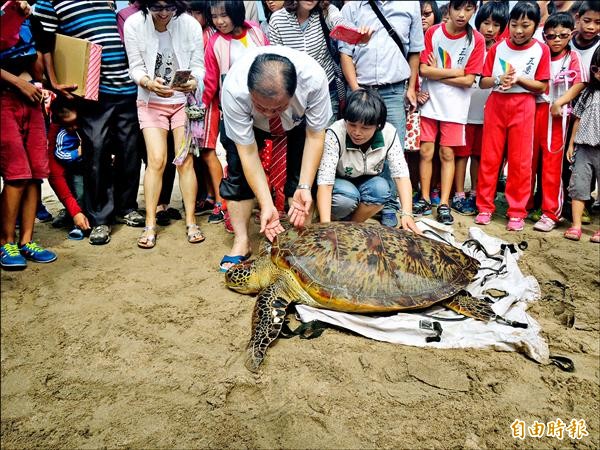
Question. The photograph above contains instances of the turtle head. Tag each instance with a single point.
(250, 277)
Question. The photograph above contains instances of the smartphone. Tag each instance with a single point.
(181, 77)
(346, 34)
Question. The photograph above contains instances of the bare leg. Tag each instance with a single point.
(187, 181)
(29, 204)
(427, 149)
(447, 158)
(474, 169)
(215, 171)
(460, 171)
(10, 205)
(365, 211)
(577, 207)
(240, 212)
(156, 147)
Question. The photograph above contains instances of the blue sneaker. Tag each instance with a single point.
(389, 219)
(463, 206)
(422, 208)
(10, 258)
(42, 213)
(34, 252)
(435, 197)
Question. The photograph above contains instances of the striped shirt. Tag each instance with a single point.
(95, 21)
(284, 29)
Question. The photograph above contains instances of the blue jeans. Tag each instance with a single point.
(393, 97)
(347, 194)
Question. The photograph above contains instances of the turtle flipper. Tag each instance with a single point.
(267, 321)
(479, 309)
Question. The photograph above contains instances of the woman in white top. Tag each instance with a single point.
(161, 39)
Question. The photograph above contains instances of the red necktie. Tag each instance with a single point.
(277, 172)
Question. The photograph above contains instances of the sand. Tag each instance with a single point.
(114, 346)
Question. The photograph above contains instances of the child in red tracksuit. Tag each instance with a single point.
(550, 132)
(516, 69)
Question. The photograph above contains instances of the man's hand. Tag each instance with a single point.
(269, 222)
(25, 8)
(366, 34)
(411, 99)
(30, 92)
(301, 203)
(81, 221)
(65, 90)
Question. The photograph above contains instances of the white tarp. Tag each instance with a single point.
(503, 274)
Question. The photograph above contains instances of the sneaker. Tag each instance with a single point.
(422, 208)
(217, 215)
(42, 214)
(444, 216)
(535, 215)
(34, 252)
(228, 226)
(204, 207)
(389, 219)
(62, 220)
(435, 197)
(100, 235)
(132, 219)
(463, 206)
(483, 218)
(11, 258)
(545, 224)
(515, 224)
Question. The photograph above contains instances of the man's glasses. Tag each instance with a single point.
(159, 8)
(594, 69)
(552, 36)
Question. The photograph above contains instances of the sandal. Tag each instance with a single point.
(229, 261)
(194, 235)
(596, 237)
(574, 234)
(148, 238)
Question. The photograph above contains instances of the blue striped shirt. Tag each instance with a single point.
(96, 22)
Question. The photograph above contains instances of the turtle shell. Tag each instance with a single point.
(354, 267)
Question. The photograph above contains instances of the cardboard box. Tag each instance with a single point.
(77, 61)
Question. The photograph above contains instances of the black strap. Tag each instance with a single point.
(387, 26)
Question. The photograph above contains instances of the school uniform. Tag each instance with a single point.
(509, 121)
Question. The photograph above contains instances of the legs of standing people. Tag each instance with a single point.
(10, 207)
(156, 150)
(168, 177)
(187, 181)
(552, 189)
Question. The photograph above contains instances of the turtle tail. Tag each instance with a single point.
(267, 321)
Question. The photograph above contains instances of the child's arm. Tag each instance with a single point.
(566, 98)
(466, 81)
(29, 91)
(571, 149)
(535, 86)
(431, 71)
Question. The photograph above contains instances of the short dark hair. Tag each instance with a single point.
(437, 16)
(528, 9)
(498, 11)
(235, 9)
(561, 19)
(180, 4)
(261, 77)
(588, 5)
(60, 108)
(366, 106)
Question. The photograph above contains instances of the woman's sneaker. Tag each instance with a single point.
(444, 215)
(422, 208)
(34, 252)
(217, 215)
(545, 224)
(515, 224)
(483, 218)
(11, 258)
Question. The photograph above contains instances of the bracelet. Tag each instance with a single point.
(407, 214)
(303, 186)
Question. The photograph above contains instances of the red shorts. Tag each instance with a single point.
(472, 147)
(452, 134)
(23, 145)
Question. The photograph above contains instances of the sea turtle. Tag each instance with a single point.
(352, 267)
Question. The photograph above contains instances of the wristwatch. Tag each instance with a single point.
(303, 186)
(497, 81)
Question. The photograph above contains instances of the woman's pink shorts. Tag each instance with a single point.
(161, 115)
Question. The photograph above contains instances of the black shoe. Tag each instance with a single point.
(174, 214)
(422, 208)
(444, 215)
(162, 218)
(100, 235)
(132, 219)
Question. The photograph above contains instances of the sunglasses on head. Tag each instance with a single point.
(552, 36)
(159, 8)
(594, 69)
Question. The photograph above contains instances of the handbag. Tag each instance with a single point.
(339, 76)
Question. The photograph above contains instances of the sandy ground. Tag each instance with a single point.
(113, 346)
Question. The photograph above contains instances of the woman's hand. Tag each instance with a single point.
(188, 87)
(159, 87)
(408, 223)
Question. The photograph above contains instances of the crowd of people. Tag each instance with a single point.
(381, 123)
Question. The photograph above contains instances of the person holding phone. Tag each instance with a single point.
(161, 43)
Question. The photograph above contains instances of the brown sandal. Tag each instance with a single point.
(148, 238)
(194, 235)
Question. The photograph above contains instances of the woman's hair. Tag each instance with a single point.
(527, 9)
(457, 4)
(366, 106)
(593, 84)
(200, 6)
(291, 6)
(235, 9)
(497, 11)
(437, 15)
(182, 7)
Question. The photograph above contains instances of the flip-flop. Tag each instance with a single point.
(233, 260)
(75, 234)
